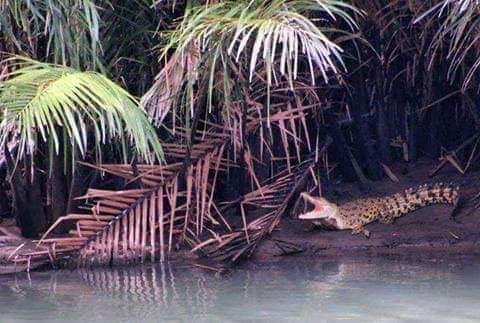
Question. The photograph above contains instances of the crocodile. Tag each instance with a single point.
(355, 215)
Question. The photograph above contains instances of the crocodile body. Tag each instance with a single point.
(356, 214)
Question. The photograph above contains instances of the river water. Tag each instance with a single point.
(291, 290)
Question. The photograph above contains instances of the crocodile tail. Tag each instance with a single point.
(417, 197)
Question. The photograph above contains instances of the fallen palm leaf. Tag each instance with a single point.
(241, 243)
(131, 225)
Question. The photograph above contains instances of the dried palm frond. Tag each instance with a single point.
(135, 224)
(161, 97)
(274, 198)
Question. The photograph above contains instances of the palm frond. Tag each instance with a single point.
(459, 28)
(64, 31)
(248, 36)
(133, 225)
(273, 200)
(175, 202)
(39, 99)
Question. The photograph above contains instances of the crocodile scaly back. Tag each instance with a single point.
(396, 205)
(387, 209)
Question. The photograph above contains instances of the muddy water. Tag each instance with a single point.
(321, 290)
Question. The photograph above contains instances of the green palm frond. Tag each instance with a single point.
(63, 31)
(39, 99)
(254, 35)
(268, 27)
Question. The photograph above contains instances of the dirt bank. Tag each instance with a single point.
(428, 230)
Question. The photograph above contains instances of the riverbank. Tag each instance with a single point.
(428, 230)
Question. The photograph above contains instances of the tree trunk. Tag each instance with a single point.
(27, 199)
(362, 134)
(36, 210)
(78, 187)
(412, 135)
(341, 151)
(383, 134)
(5, 211)
(58, 187)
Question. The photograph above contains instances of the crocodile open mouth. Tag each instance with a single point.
(316, 213)
(320, 209)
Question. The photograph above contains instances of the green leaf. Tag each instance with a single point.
(42, 98)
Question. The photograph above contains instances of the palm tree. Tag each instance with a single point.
(62, 106)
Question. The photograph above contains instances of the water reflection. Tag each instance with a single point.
(316, 290)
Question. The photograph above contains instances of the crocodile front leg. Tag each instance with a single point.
(361, 229)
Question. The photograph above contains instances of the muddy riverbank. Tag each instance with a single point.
(431, 230)
(428, 230)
